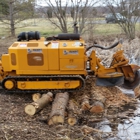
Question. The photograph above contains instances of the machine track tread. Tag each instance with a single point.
(44, 78)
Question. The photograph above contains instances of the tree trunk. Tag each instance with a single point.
(58, 108)
(36, 106)
(12, 25)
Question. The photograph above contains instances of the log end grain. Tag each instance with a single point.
(97, 107)
(30, 109)
(72, 121)
(36, 96)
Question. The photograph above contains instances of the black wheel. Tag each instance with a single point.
(131, 85)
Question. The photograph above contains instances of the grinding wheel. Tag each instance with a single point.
(131, 85)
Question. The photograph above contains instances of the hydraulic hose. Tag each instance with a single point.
(104, 48)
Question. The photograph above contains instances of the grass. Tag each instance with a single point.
(107, 29)
(47, 29)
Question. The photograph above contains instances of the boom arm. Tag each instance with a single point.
(119, 67)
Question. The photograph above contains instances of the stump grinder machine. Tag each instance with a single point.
(60, 63)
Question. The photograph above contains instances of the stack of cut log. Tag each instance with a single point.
(58, 107)
(39, 103)
(94, 101)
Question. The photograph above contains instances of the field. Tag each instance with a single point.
(46, 28)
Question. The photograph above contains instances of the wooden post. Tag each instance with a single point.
(58, 108)
(36, 106)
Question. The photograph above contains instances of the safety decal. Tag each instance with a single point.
(23, 45)
(55, 45)
(77, 44)
(34, 50)
(71, 52)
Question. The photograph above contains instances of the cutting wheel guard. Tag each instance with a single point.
(131, 85)
(113, 81)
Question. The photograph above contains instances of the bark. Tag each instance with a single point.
(72, 113)
(58, 108)
(85, 103)
(12, 24)
(98, 102)
(36, 106)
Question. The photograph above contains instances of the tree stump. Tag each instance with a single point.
(36, 106)
(58, 108)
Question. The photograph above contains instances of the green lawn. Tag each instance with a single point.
(47, 29)
(107, 29)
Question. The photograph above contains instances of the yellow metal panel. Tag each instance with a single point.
(93, 60)
(72, 53)
(13, 65)
(53, 59)
(46, 72)
(71, 64)
(6, 62)
(48, 84)
(110, 75)
(72, 49)
(23, 58)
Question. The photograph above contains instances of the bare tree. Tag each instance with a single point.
(130, 9)
(65, 13)
(15, 12)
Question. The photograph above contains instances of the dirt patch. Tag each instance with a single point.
(16, 124)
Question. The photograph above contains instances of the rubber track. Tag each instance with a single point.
(44, 78)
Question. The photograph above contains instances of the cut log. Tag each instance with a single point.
(85, 103)
(72, 112)
(98, 102)
(36, 96)
(36, 106)
(97, 107)
(58, 108)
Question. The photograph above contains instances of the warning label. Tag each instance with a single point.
(71, 52)
(34, 50)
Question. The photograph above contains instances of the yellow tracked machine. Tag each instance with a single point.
(60, 63)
